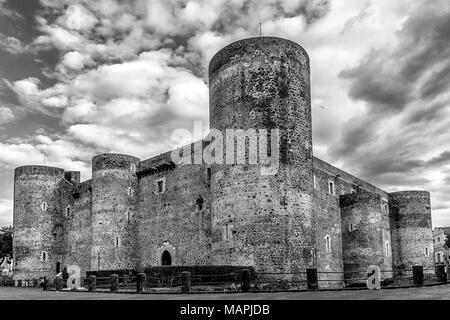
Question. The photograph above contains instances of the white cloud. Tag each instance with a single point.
(6, 115)
(77, 17)
(27, 87)
(6, 212)
(74, 60)
(14, 45)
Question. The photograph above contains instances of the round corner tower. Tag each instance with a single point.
(114, 200)
(412, 238)
(260, 218)
(38, 235)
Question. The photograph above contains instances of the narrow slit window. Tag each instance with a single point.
(44, 256)
(331, 187)
(328, 243)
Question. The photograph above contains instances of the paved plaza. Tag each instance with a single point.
(441, 292)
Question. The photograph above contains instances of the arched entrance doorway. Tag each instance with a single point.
(166, 259)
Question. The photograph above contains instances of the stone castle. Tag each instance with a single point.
(135, 213)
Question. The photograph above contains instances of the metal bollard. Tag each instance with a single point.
(114, 282)
(185, 281)
(140, 282)
(58, 283)
(246, 280)
(45, 284)
(441, 276)
(417, 275)
(311, 279)
(92, 283)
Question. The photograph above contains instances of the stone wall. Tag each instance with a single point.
(176, 220)
(79, 227)
(327, 224)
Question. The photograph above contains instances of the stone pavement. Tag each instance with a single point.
(441, 292)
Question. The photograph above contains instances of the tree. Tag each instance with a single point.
(5, 247)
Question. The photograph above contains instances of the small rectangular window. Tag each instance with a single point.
(227, 232)
(331, 187)
(160, 185)
(208, 174)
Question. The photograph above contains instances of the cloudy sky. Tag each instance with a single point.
(79, 78)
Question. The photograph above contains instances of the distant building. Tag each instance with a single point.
(441, 250)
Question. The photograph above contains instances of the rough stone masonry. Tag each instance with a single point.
(136, 213)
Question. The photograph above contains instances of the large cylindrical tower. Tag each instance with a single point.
(411, 232)
(38, 228)
(365, 234)
(262, 219)
(114, 199)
